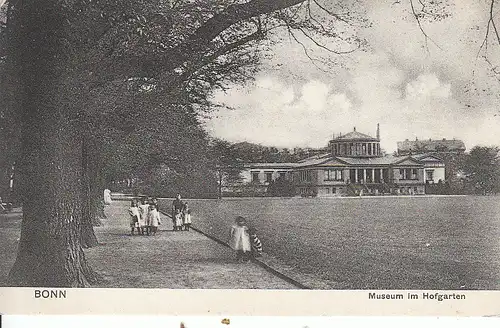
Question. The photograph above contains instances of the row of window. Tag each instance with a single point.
(408, 174)
(338, 175)
(356, 149)
(268, 176)
(334, 175)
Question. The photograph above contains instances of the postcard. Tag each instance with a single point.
(250, 158)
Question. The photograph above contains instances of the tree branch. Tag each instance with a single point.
(427, 37)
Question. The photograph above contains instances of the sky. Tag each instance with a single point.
(444, 90)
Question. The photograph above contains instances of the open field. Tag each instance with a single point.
(373, 243)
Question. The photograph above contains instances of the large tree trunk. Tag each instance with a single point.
(49, 252)
(92, 186)
(87, 235)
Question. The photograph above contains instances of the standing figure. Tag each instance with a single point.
(134, 216)
(107, 197)
(153, 219)
(154, 201)
(178, 220)
(239, 240)
(177, 206)
(256, 243)
(143, 222)
(186, 217)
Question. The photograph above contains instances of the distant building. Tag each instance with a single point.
(356, 166)
(434, 168)
(449, 152)
(256, 177)
(411, 147)
(353, 164)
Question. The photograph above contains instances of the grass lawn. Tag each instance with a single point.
(372, 243)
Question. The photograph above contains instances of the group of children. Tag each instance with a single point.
(244, 240)
(145, 218)
(181, 215)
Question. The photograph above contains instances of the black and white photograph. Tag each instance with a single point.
(251, 145)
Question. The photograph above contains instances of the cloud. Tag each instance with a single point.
(411, 92)
(281, 113)
(427, 86)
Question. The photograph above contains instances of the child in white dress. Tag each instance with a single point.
(134, 217)
(178, 220)
(143, 221)
(153, 219)
(186, 217)
(239, 240)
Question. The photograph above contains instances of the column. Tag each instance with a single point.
(364, 175)
(382, 175)
(373, 175)
(356, 175)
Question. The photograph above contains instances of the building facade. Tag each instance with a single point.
(356, 166)
(353, 166)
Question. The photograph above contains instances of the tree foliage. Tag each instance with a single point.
(482, 169)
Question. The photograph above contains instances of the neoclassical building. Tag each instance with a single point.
(354, 165)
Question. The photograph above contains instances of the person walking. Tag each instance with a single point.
(239, 240)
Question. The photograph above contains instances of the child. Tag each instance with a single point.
(256, 243)
(143, 221)
(134, 216)
(178, 220)
(239, 240)
(153, 220)
(186, 217)
(154, 201)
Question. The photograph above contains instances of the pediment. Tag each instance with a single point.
(409, 161)
(431, 158)
(333, 162)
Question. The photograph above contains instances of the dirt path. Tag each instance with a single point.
(169, 259)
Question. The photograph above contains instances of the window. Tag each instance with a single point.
(305, 175)
(408, 174)
(429, 175)
(269, 176)
(255, 176)
(334, 175)
(327, 190)
(282, 175)
(334, 190)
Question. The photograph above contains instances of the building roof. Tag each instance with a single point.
(425, 146)
(361, 161)
(386, 160)
(270, 165)
(314, 161)
(428, 157)
(354, 135)
(318, 156)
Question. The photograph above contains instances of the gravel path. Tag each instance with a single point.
(169, 259)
